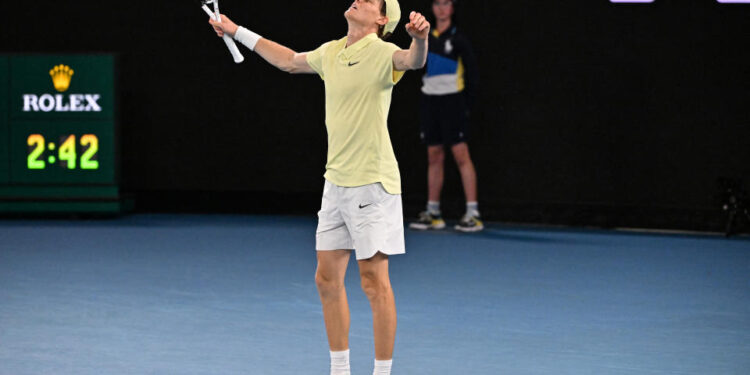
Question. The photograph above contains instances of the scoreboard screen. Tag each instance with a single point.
(57, 134)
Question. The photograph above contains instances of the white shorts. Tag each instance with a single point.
(364, 218)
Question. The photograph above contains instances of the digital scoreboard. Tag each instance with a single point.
(57, 134)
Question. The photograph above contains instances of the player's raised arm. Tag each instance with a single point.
(416, 56)
(277, 55)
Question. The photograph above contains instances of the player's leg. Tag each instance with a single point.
(378, 232)
(332, 234)
(377, 286)
(329, 278)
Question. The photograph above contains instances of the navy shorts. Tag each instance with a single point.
(444, 119)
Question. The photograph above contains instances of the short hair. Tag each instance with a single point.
(453, 16)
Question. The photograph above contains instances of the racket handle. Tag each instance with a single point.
(209, 12)
(238, 58)
(216, 10)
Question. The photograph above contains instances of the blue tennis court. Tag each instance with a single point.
(212, 294)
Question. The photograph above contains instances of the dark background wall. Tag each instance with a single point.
(590, 113)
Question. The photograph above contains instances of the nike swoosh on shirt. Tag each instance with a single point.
(361, 206)
(352, 64)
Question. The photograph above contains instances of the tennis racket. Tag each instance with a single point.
(215, 15)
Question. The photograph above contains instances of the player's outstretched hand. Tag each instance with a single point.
(226, 26)
(417, 27)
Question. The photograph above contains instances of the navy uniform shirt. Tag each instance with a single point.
(451, 66)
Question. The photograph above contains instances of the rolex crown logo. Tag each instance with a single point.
(61, 76)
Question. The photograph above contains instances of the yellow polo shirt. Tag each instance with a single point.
(358, 81)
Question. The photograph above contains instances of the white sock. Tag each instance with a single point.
(340, 363)
(472, 209)
(433, 208)
(382, 367)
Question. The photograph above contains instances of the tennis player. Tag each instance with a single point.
(361, 206)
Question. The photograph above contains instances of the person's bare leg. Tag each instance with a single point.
(466, 168)
(329, 277)
(377, 286)
(435, 173)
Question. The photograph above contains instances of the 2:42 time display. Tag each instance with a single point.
(67, 152)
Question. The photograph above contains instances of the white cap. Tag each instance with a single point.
(393, 12)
